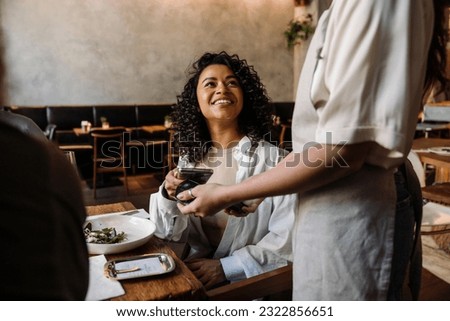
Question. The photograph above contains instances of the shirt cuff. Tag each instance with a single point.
(164, 199)
(164, 192)
(233, 268)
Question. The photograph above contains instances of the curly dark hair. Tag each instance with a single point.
(192, 137)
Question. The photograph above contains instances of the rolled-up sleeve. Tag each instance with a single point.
(170, 223)
(368, 80)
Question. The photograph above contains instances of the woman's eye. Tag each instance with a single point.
(233, 83)
(209, 84)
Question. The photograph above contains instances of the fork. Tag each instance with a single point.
(130, 212)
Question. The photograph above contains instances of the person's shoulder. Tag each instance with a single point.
(21, 123)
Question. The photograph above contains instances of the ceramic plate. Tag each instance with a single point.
(137, 231)
(440, 150)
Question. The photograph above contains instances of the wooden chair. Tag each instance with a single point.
(272, 285)
(171, 159)
(49, 132)
(285, 136)
(438, 193)
(436, 211)
(108, 154)
(283, 112)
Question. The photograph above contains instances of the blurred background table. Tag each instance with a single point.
(441, 163)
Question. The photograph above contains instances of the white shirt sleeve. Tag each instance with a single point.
(368, 80)
(170, 223)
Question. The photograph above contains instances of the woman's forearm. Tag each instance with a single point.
(297, 173)
(301, 172)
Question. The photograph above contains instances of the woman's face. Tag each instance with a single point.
(219, 94)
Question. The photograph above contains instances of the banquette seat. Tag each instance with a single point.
(146, 148)
(140, 144)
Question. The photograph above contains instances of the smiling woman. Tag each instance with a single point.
(221, 119)
(219, 95)
(242, 84)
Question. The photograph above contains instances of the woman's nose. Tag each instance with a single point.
(221, 88)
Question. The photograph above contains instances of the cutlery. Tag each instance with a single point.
(134, 269)
(130, 212)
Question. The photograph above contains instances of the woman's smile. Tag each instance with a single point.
(222, 102)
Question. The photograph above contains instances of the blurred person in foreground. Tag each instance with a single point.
(44, 254)
(221, 118)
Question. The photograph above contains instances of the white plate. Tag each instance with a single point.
(137, 231)
(440, 150)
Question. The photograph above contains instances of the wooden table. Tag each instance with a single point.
(80, 132)
(180, 284)
(153, 128)
(440, 162)
(149, 129)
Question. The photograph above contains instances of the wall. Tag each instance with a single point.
(133, 51)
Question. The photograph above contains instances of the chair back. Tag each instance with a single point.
(108, 146)
(109, 153)
(106, 141)
(171, 159)
(107, 132)
(50, 131)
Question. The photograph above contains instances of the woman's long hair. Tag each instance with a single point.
(192, 136)
(437, 55)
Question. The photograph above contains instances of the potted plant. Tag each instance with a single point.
(299, 29)
(105, 123)
(167, 121)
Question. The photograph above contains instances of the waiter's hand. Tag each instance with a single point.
(208, 199)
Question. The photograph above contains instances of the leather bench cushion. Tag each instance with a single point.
(152, 114)
(115, 115)
(69, 117)
(68, 137)
(38, 114)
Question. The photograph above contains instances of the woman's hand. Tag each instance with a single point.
(208, 271)
(208, 199)
(249, 207)
(171, 182)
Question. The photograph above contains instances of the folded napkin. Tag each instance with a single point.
(100, 287)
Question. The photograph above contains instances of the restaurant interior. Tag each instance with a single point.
(86, 72)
